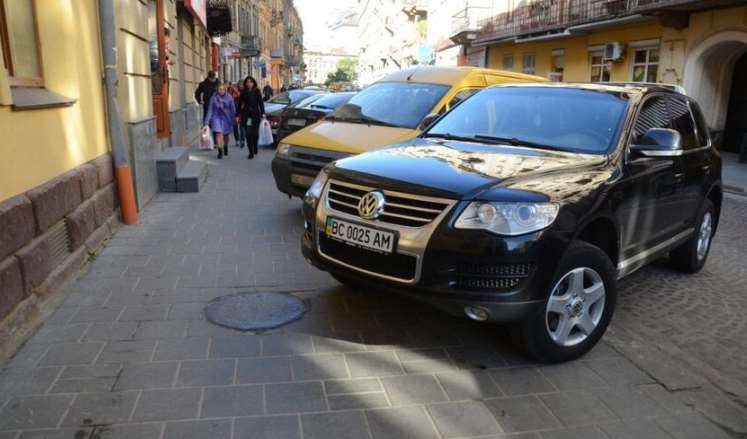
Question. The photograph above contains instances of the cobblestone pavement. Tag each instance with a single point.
(128, 354)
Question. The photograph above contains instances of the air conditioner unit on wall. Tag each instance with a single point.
(614, 51)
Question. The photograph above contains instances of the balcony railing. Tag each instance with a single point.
(468, 19)
(548, 15)
(251, 45)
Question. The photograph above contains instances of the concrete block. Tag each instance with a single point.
(65, 271)
(11, 285)
(36, 262)
(104, 168)
(105, 201)
(81, 223)
(55, 199)
(89, 180)
(97, 238)
(17, 224)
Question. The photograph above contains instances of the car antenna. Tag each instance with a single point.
(411, 75)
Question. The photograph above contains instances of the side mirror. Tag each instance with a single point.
(427, 121)
(659, 142)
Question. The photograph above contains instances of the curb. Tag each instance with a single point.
(735, 189)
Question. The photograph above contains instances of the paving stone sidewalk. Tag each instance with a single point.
(129, 355)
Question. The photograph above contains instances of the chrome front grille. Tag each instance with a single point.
(400, 209)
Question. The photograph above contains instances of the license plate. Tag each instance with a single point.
(360, 236)
(301, 180)
(297, 122)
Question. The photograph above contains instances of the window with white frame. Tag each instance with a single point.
(646, 65)
(600, 69)
(529, 65)
(508, 62)
(558, 65)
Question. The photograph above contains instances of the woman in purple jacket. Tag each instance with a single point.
(221, 117)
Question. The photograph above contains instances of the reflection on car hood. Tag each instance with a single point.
(466, 170)
(352, 138)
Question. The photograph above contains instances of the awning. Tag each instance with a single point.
(218, 18)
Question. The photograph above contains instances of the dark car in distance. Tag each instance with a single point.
(275, 106)
(524, 205)
(295, 117)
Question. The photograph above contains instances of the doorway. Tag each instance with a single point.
(159, 69)
(736, 116)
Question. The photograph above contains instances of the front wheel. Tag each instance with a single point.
(580, 304)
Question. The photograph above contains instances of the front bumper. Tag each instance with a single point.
(303, 162)
(506, 276)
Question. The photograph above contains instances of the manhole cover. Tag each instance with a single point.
(251, 311)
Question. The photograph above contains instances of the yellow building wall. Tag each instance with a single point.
(577, 54)
(135, 98)
(39, 145)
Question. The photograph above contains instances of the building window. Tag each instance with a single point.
(20, 40)
(558, 65)
(508, 62)
(646, 65)
(600, 70)
(529, 63)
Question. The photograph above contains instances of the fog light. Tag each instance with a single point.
(477, 313)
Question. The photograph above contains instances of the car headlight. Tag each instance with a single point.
(315, 190)
(283, 150)
(509, 219)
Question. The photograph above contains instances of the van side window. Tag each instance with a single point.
(682, 121)
(653, 114)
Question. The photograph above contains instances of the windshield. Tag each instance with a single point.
(307, 101)
(396, 104)
(291, 97)
(332, 101)
(540, 117)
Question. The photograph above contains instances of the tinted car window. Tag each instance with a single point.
(396, 103)
(700, 125)
(462, 95)
(332, 101)
(307, 101)
(555, 118)
(653, 114)
(290, 97)
(682, 121)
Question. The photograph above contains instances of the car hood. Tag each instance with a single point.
(466, 170)
(352, 138)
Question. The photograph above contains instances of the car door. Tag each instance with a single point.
(648, 194)
(696, 158)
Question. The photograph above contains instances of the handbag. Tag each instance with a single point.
(265, 133)
(206, 138)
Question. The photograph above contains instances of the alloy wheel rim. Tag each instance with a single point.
(575, 307)
(704, 235)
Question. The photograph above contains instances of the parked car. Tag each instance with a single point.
(275, 106)
(394, 109)
(295, 117)
(525, 204)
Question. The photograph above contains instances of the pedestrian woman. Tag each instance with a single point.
(221, 117)
(235, 91)
(252, 110)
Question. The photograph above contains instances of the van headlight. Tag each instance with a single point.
(283, 150)
(315, 190)
(509, 219)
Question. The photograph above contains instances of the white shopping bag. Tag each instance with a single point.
(206, 138)
(265, 134)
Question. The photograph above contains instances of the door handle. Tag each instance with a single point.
(679, 176)
(706, 169)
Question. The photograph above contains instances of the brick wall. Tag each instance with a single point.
(33, 263)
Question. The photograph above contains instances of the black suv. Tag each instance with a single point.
(526, 204)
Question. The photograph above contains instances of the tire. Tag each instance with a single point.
(586, 310)
(689, 257)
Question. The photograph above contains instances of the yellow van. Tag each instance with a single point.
(392, 110)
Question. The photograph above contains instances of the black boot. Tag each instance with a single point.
(225, 150)
(220, 153)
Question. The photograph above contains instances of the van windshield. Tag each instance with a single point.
(567, 119)
(397, 104)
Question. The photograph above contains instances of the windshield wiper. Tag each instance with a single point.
(363, 119)
(448, 136)
(514, 141)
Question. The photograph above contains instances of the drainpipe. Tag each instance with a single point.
(122, 173)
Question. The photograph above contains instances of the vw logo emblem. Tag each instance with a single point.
(371, 205)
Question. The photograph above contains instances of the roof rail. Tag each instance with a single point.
(673, 87)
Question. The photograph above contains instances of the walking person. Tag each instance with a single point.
(252, 110)
(233, 91)
(205, 91)
(267, 92)
(221, 117)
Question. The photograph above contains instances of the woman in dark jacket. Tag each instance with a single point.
(252, 110)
